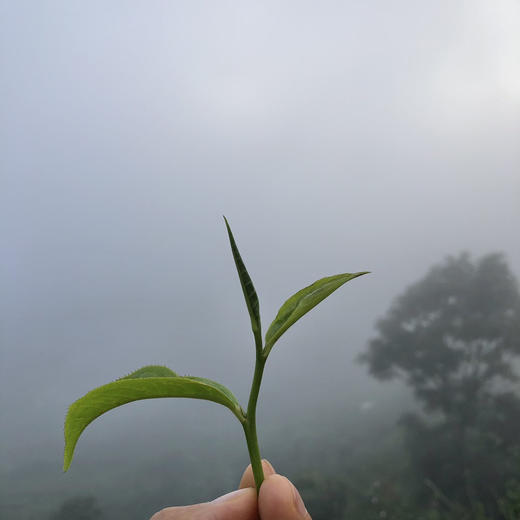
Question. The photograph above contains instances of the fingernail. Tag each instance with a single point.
(231, 496)
(298, 502)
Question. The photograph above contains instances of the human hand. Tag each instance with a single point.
(278, 500)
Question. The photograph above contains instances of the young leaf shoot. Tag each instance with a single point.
(151, 382)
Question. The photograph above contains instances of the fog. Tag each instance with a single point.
(335, 137)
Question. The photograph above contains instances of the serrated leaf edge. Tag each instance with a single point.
(236, 409)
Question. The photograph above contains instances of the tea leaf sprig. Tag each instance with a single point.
(153, 381)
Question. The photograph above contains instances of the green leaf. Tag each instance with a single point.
(302, 302)
(150, 371)
(248, 288)
(216, 385)
(149, 382)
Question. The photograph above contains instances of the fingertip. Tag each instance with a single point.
(268, 468)
(279, 498)
(246, 479)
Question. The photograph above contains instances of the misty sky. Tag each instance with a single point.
(335, 136)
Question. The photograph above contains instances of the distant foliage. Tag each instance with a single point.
(454, 338)
(78, 508)
(452, 335)
(325, 497)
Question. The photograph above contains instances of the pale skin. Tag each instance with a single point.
(278, 500)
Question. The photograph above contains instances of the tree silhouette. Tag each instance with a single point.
(453, 337)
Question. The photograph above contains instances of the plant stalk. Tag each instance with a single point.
(250, 422)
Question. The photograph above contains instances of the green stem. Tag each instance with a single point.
(250, 422)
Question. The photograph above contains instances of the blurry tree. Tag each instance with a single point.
(78, 508)
(453, 338)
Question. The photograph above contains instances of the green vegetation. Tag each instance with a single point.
(78, 508)
(453, 338)
(155, 381)
(453, 456)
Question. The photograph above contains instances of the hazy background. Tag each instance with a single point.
(335, 136)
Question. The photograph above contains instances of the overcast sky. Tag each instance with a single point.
(336, 136)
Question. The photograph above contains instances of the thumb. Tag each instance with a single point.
(237, 505)
(280, 500)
